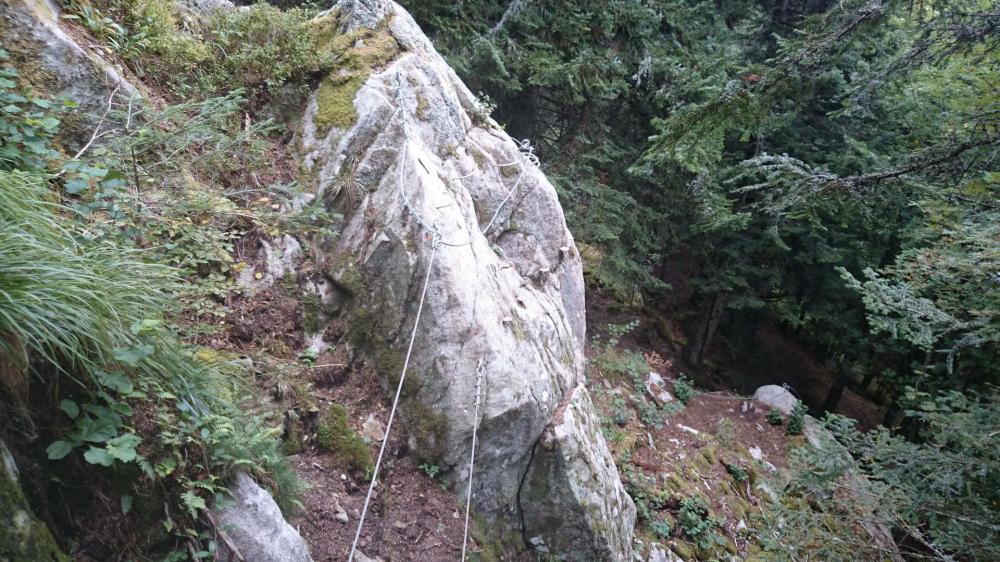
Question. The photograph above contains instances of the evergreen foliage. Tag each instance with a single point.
(825, 166)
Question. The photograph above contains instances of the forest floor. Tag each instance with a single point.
(718, 447)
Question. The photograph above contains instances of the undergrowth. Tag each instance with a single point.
(83, 319)
(102, 256)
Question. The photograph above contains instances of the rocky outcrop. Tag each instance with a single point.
(23, 538)
(565, 494)
(254, 529)
(430, 188)
(54, 62)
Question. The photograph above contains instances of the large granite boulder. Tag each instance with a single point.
(399, 147)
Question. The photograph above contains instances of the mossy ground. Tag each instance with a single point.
(335, 435)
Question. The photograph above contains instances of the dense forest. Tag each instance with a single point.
(824, 168)
(828, 167)
(765, 186)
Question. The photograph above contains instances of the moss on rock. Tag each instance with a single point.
(428, 428)
(23, 538)
(356, 54)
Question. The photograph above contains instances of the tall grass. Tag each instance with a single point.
(74, 307)
(65, 299)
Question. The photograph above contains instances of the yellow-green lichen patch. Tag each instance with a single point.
(510, 171)
(335, 101)
(423, 107)
(355, 55)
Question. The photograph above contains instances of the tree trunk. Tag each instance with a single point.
(867, 381)
(837, 390)
(706, 330)
(891, 413)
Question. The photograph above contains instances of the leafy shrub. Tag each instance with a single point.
(125, 43)
(27, 123)
(738, 473)
(619, 413)
(661, 528)
(83, 317)
(628, 365)
(940, 489)
(260, 49)
(774, 417)
(697, 524)
(796, 419)
(334, 434)
(683, 389)
(649, 413)
(431, 470)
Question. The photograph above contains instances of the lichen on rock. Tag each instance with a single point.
(357, 53)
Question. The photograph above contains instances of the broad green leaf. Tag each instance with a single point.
(115, 381)
(58, 450)
(145, 326)
(123, 447)
(95, 455)
(70, 407)
(133, 354)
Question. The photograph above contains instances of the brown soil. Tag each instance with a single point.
(710, 413)
(412, 516)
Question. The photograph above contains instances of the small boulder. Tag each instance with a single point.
(255, 528)
(776, 397)
(657, 554)
(373, 431)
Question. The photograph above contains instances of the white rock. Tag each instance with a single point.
(690, 430)
(532, 365)
(256, 527)
(373, 430)
(659, 554)
(776, 397)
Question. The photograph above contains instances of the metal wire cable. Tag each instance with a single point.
(395, 402)
(472, 456)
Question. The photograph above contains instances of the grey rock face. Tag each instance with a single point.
(22, 535)
(207, 7)
(421, 173)
(256, 528)
(49, 58)
(572, 490)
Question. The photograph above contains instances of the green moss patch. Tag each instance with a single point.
(334, 435)
(428, 428)
(23, 538)
(355, 54)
